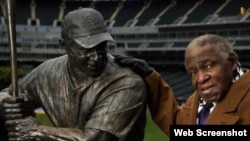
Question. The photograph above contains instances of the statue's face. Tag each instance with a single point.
(90, 61)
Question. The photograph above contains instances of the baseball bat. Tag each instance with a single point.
(11, 25)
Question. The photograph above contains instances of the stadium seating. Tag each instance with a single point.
(155, 30)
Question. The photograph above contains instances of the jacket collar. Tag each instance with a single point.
(237, 92)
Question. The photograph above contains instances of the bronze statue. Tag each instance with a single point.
(86, 95)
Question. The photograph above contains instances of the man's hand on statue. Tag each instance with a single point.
(139, 66)
(25, 129)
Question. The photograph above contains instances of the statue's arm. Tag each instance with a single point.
(29, 129)
(113, 117)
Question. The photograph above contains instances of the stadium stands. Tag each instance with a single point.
(155, 30)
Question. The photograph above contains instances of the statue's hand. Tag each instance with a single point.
(12, 107)
(25, 129)
(139, 66)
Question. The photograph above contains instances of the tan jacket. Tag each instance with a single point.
(233, 109)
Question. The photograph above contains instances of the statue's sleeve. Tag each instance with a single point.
(120, 107)
(114, 115)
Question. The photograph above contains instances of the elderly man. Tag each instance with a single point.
(86, 95)
(222, 86)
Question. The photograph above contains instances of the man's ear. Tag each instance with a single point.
(233, 59)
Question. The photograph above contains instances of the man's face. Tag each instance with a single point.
(211, 74)
(90, 61)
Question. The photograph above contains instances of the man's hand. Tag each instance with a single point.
(25, 129)
(139, 66)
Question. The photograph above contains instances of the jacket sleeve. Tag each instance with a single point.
(162, 104)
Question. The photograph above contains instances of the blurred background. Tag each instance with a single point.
(154, 30)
